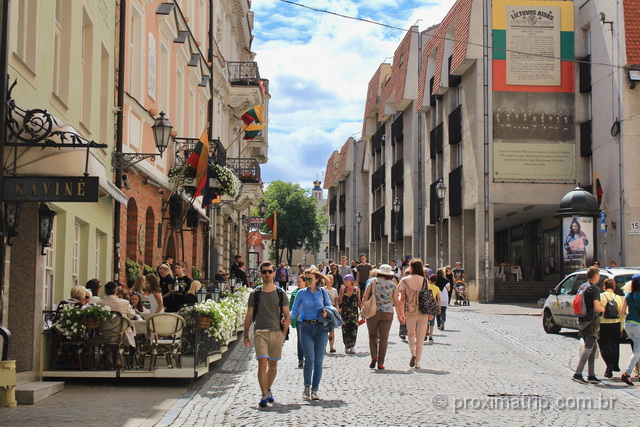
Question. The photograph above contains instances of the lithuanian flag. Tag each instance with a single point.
(272, 222)
(199, 159)
(599, 190)
(252, 130)
(253, 115)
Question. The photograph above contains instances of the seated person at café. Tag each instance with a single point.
(136, 303)
(120, 305)
(94, 286)
(80, 296)
(191, 297)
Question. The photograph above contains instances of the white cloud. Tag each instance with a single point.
(319, 66)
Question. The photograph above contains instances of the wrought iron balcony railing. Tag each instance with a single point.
(244, 73)
(247, 170)
(184, 147)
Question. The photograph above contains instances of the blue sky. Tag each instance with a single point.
(318, 66)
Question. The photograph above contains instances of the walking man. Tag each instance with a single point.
(269, 311)
(363, 269)
(589, 333)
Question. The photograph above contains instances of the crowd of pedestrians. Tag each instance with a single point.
(326, 289)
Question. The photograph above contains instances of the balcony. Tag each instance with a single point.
(244, 73)
(342, 204)
(378, 179)
(184, 147)
(397, 173)
(247, 170)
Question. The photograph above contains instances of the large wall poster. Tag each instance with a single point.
(533, 92)
(579, 242)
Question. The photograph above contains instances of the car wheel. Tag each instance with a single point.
(548, 324)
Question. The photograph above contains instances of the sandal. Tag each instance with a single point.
(372, 365)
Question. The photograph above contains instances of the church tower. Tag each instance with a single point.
(317, 190)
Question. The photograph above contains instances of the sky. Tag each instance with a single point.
(318, 66)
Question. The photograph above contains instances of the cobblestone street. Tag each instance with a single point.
(485, 369)
(493, 365)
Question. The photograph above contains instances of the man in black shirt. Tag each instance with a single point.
(589, 333)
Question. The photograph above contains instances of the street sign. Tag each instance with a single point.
(254, 238)
(256, 221)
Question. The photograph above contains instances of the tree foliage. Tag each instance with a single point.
(298, 218)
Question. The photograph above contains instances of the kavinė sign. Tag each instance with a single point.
(50, 188)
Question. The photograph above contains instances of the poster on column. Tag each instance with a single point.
(533, 91)
(579, 242)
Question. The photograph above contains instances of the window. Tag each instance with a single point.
(568, 285)
(49, 263)
(163, 78)
(86, 71)
(105, 88)
(61, 50)
(75, 255)
(136, 53)
(96, 273)
(179, 124)
(26, 37)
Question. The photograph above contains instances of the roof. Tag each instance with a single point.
(632, 30)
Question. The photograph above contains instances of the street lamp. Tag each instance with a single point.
(263, 208)
(161, 134)
(396, 210)
(358, 221)
(304, 256)
(441, 190)
(45, 219)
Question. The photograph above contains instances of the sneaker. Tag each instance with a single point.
(270, 398)
(412, 362)
(579, 379)
(353, 350)
(301, 364)
(418, 366)
(403, 337)
(426, 338)
(626, 379)
(306, 394)
(372, 365)
(430, 339)
(333, 350)
(593, 379)
(608, 373)
(263, 401)
(442, 328)
(314, 395)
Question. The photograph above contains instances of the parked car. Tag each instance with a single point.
(557, 311)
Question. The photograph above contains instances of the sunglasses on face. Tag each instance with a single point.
(267, 271)
(309, 279)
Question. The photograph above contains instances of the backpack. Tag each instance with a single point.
(256, 304)
(578, 304)
(611, 310)
(426, 301)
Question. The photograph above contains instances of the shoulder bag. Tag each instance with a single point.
(369, 308)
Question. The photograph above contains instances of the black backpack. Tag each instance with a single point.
(611, 309)
(256, 304)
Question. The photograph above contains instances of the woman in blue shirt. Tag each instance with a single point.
(311, 304)
(632, 324)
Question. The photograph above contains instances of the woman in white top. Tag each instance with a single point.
(333, 296)
(154, 292)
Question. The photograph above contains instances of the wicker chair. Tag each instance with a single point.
(165, 336)
(112, 342)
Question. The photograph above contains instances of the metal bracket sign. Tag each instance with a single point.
(51, 188)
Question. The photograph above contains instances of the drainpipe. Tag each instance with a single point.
(485, 87)
(207, 241)
(119, 117)
(420, 165)
(4, 81)
(355, 204)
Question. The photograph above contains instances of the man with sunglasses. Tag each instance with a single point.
(271, 323)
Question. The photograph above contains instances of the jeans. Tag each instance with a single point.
(633, 331)
(299, 336)
(314, 344)
(442, 317)
(588, 354)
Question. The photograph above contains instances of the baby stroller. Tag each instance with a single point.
(461, 293)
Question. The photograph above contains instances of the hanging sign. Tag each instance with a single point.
(254, 238)
(50, 188)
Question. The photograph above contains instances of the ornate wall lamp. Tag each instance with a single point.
(11, 217)
(161, 134)
(45, 223)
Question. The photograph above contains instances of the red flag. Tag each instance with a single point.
(199, 159)
(599, 190)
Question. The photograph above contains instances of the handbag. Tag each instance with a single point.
(426, 301)
(369, 308)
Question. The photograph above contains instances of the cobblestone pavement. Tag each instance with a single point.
(492, 366)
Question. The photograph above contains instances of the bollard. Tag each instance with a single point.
(7, 373)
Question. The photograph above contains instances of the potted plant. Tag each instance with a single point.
(220, 320)
(228, 182)
(73, 321)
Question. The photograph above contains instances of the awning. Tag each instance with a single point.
(115, 192)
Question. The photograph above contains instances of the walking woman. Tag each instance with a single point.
(349, 303)
(311, 304)
(300, 282)
(632, 324)
(417, 322)
(380, 324)
(610, 329)
(333, 297)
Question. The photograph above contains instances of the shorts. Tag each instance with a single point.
(268, 343)
(432, 322)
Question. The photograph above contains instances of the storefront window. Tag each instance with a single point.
(552, 251)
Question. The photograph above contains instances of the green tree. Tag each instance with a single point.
(298, 219)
